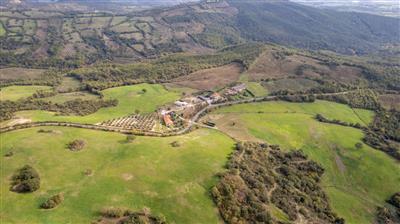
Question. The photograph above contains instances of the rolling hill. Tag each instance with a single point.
(66, 38)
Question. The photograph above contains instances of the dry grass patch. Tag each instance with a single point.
(390, 101)
(208, 79)
(274, 64)
(20, 73)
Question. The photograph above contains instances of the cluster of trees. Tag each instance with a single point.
(323, 119)
(362, 98)
(260, 175)
(25, 180)
(53, 201)
(164, 69)
(126, 216)
(388, 124)
(76, 145)
(73, 107)
(384, 132)
(389, 214)
(298, 98)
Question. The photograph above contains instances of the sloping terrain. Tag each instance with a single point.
(208, 79)
(353, 178)
(69, 39)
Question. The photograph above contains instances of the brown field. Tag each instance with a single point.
(390, 101)
(209, 79)
(268, 65)
(20, 73)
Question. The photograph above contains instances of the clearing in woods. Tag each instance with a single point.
(149, 172)
(131, 99)
(354, 195)
(15, 93)
(209, 79)
(20, 73)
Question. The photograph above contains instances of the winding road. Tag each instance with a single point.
(191, 122)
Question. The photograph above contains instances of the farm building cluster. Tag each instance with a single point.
(173, 116)
(187, 107)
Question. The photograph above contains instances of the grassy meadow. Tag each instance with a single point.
(15, 93)
(148, 172)
(130, 99)
(2, 30)
(356, 180)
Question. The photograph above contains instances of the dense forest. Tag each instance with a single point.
(261, 178)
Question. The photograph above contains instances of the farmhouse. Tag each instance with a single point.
(239, 88)
(181, 103)
(236, 89)
(167, 120)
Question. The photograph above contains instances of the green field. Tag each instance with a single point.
(356, 180)
(149, 173)
(2, 30)
(328, 109)
(130, 99)
(256, 88)
(14, 93)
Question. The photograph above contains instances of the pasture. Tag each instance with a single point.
(2, 30)
(131, 99)
(147, 173)
(356, 180)
(15, 93)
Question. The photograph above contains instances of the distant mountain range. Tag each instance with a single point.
(380, 7)
(196, 27)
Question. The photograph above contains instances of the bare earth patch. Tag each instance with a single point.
(20, 73)
(127, 176)
(390, 101)
(272, 64)
(16, 121)
(209, 79)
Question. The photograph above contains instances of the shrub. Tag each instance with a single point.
(395, 200)
(358, 145)
(175, 144)
(77, 145)
(25, 180)
(53, 201)
(130, 138)
(112, 212)
(9, 154)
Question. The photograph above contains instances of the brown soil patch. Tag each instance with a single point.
(339, 163)
(390, 101)
(127, 176)
(209, 79)
(275, 65)
(20, 73)
(41, 34)
(16, 121)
